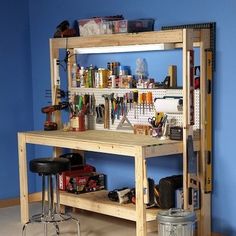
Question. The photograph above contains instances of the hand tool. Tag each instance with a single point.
(131, 95)
(140, 101)
(107, 98)
(112, 110)
(149, 100)
(208, 155)
(125, 124)
(48, 110)
(144, 101)
(159, 116)
(152, 121)
(100, 114)
(135, 101)
(118, 108)
(120, 195)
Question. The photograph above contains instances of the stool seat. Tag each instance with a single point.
(48, 165)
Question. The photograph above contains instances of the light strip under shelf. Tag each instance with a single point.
(129, 48)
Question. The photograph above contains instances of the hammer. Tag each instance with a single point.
(107, 97)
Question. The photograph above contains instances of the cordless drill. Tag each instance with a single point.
(48, 110)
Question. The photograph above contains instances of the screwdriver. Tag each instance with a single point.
(135, 100)
(130, 99)
(144, 101)
(140, 101)
(149, 100)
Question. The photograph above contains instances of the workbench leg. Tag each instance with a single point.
(141, 226)
(205, 216)
(24, 199)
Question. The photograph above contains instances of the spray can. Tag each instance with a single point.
(91, 75)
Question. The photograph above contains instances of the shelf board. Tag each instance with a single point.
(99, 202)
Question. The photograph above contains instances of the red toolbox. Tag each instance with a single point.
(84, 183)
(86, 169)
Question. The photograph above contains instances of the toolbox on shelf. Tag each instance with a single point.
(81, 180)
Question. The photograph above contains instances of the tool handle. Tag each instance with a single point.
(135, 96)
(149, 98)
(144, 97)
(140, 98)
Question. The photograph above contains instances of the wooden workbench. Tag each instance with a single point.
(126, 144)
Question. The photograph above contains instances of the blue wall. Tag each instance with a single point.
(16, 90)
(25, 50)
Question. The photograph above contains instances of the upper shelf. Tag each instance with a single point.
(175, 37)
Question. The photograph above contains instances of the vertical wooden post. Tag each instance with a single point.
(54, 56)
(71, 61)
(141, 225)
(205, 216)
(187, 129)
(24, 198)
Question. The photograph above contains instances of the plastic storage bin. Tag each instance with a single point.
(176, 222)
(95, 26)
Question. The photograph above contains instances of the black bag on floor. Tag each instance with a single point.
(167, 187)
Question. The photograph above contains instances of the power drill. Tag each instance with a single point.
(48, 110)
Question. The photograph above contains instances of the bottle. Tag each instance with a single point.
(81, 76)
(73, 76)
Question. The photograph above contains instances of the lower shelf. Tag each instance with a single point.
(99, 202)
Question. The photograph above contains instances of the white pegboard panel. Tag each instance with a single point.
(142, 112)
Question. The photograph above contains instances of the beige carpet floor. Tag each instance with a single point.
(92, 224)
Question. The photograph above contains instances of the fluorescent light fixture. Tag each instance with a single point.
(129, 48)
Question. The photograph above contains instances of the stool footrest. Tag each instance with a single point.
(56, 218)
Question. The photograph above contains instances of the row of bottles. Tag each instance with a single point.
(114, 76)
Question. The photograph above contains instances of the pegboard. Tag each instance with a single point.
(142, 112)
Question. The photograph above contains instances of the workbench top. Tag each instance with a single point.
(101, 136)
(105, 141)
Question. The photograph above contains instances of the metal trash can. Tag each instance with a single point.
(176, 222)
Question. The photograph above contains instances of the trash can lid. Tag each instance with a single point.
(176, 215)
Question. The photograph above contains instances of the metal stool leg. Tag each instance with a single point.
(50, 197)
(43, 196)
(78, 225)
(58, 207)
(45, 229)
(24, 228)
(57, 228)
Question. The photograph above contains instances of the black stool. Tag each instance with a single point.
(50, 168)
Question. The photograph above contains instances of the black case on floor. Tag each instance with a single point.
(167, 187)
